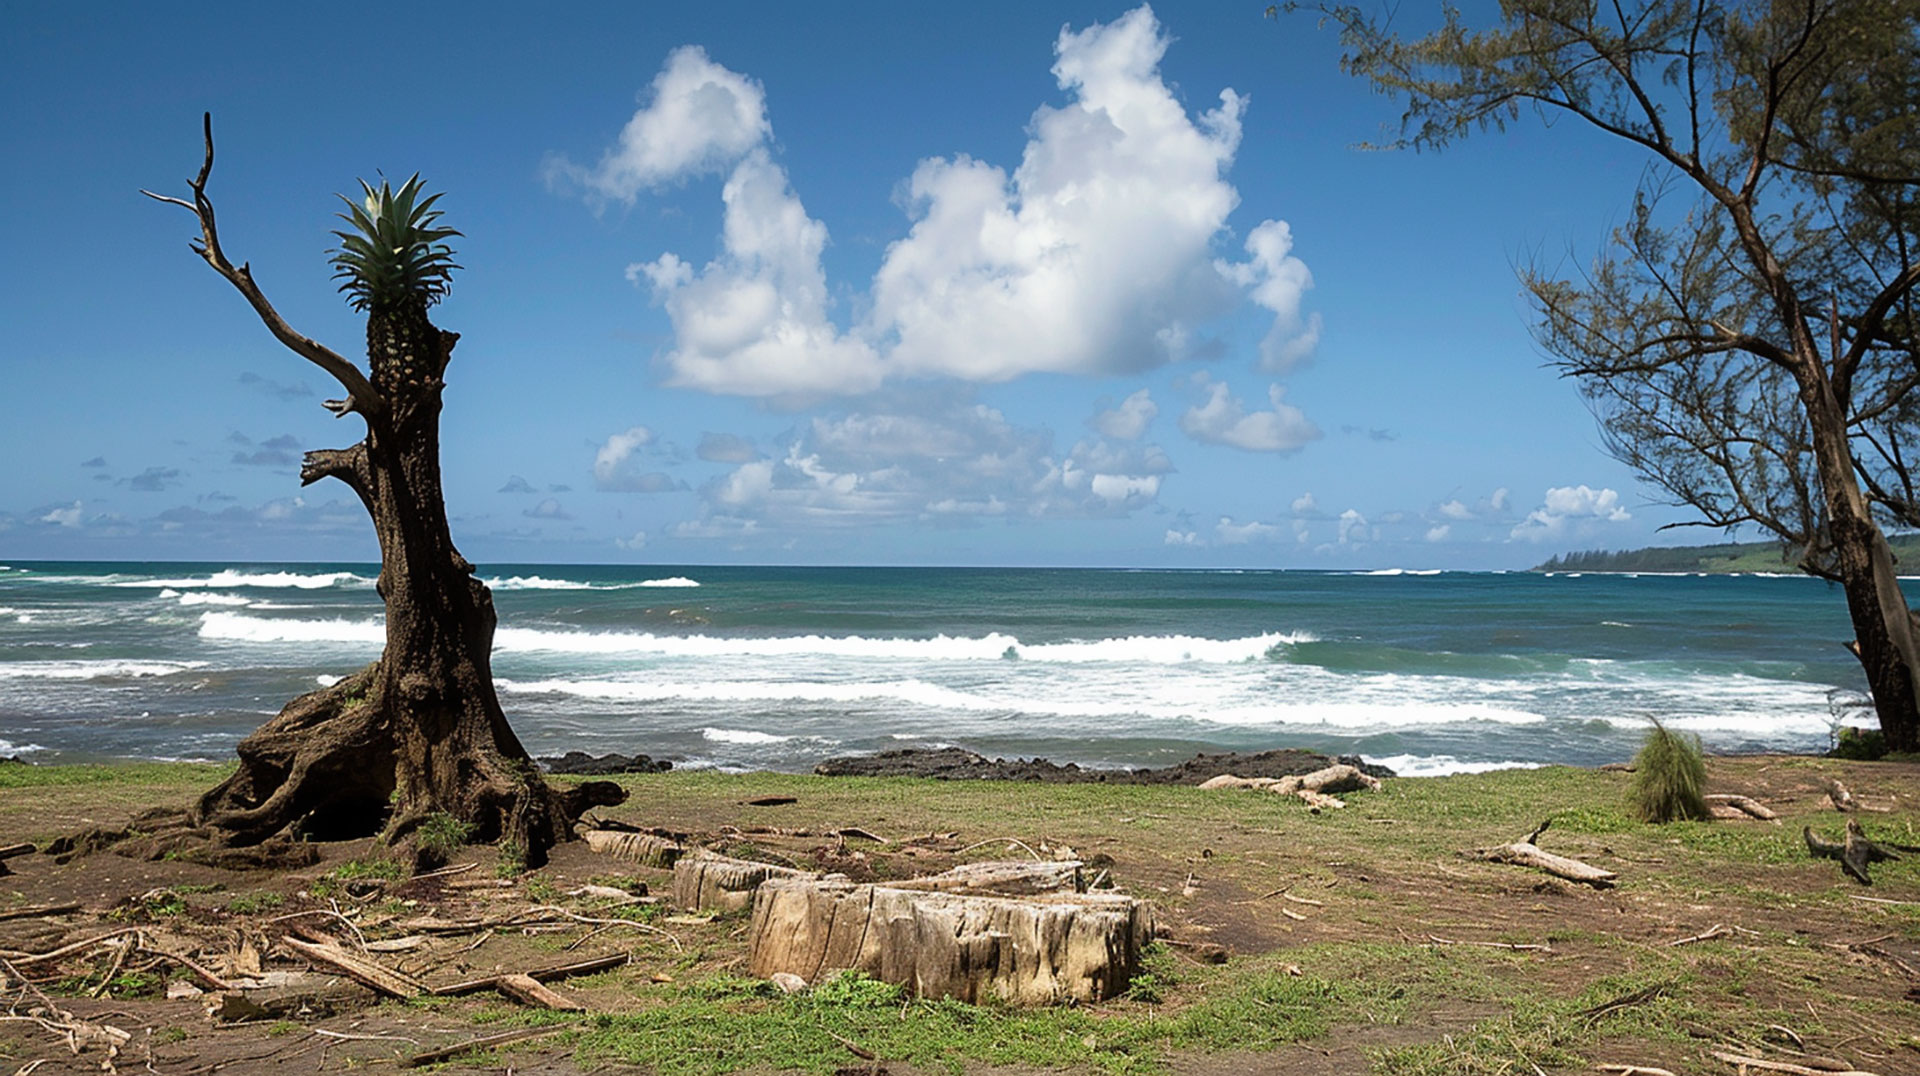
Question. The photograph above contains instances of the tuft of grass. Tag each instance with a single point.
(1669, 777)
(440, 836)
(255, 903)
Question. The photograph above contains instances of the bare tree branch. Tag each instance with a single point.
(361, 395)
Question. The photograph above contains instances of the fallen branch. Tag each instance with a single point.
(559, 971)
(1714, 931)
(484, 1042)
(527, 990)
(39, 910)
(1524, 853)
(65, 950)
(1517, 946)
(1633, 1070)
(378, 977)
(206, 975)
(1745, 1062)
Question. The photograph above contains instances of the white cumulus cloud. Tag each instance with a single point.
(616, 465)
(696, 117)
(1224, 420)
(1571, 510)
(1094, 255)
(1439, 533)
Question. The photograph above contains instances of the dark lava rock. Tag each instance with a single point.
(583, 764)
(958, 764)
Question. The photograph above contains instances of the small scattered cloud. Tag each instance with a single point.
(1439, 533)
(1224, 420)
(517, 484)
(1570, 510)
(95, 463)
(154, 479)
(1180, 537)
(616, 466)
(1128, 421)
(1371, 433)
(1228, 532)
(281, 451)
(636, 542)
(277, 389)
(726, 448)
(1353, 528)
(64, 516)
(547, 509)
(1305, 507)
(1454, 510)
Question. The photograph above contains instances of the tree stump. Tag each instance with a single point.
(646, 849)
(715, 883)
(1031, 950)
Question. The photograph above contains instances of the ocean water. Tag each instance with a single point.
(738, 667)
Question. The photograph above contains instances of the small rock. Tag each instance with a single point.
(788, 982)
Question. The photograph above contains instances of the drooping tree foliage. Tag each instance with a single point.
(1747, 338)
(418, 737)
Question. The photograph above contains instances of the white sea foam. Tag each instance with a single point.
(1158, 649)
(671, 581)
(742, 736)
(253, 629)
(208, 597)
(102, 669)
(915, 692)
(1369, 715)
(327, 679)
(229, 577)
(8, 749)
(535, 582)
(1443, 765)
(1401, 571)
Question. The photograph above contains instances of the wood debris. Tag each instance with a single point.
(1525, 853)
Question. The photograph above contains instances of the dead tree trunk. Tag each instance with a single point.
(421, 729)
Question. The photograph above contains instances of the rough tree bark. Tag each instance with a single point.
(420, 732)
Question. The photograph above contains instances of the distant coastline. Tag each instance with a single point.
(1726, 558)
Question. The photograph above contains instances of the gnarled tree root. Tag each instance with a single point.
(328, 767)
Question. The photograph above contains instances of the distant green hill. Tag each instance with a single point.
(1725, 557)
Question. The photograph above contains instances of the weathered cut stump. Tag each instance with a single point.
(1004, 878)
(1032, 950)
(646, 849)
(705, 882)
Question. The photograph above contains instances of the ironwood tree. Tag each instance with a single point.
(418, 734)
(1747, 338)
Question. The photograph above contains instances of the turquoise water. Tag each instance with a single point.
(779, 667)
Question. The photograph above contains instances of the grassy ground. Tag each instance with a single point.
(1356, 941)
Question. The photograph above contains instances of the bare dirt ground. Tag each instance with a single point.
(1745, 942)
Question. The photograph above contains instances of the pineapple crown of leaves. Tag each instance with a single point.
(394, 252)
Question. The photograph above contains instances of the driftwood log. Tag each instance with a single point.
(705, 882)
(1855, 853)
(1725, 806)
(1030, 950)
(1316, 788)
(1525, 853)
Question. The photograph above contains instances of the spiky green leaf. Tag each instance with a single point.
(395, 252)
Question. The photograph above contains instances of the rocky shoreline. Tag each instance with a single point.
(959, 764)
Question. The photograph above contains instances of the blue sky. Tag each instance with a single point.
(1046, 283)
